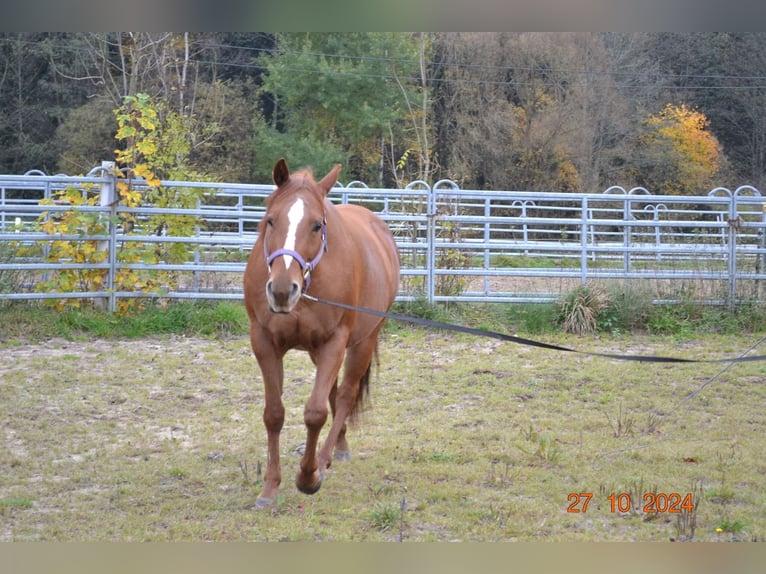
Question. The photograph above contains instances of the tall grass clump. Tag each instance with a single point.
(580, 309)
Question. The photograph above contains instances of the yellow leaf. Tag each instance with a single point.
(142, 170)
(146, 147)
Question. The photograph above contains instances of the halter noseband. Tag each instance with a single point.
(307, 268)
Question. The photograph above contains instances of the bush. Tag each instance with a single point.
(629, 308)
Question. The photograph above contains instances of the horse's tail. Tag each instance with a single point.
(363, 396)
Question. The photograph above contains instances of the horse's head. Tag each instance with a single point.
(294, 229)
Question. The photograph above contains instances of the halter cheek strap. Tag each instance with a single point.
(307, 268)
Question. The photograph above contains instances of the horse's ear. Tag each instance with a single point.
(328, 181)
(280, 174)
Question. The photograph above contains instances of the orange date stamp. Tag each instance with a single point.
(622, 502)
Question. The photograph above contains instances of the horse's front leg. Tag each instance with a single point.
(328, 362)
(273, 419)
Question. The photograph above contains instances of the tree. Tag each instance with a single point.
(609, 83)
(472, 109)
(33, 101)
(540, 111)
(346, 97)
(552, 111)
(677, 154)
(85, 137)
(154, 145)
(503, 118)
(419, 107)
(171, 68)
(722, 74)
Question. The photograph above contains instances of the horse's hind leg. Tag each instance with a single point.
(342, 451)
(357, 364)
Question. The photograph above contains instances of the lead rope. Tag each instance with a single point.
(527, 342)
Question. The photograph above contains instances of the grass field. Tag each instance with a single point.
(160, 439)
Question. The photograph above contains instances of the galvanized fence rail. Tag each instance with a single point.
(456, 245)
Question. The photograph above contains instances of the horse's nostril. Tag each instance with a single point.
(269, 288)
(295, 289)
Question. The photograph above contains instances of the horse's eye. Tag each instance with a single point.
(317, 227)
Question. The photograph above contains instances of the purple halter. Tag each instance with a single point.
(307, 268)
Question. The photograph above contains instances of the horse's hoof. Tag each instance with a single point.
(342, 455)
(311, 489)
(263, 502)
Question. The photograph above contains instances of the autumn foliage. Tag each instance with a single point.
(151, 143)
(681, 156)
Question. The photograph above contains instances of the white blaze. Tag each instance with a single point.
(294, 217)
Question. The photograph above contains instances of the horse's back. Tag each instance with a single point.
(378, 254)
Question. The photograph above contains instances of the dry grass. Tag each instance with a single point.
(468, 439)
(581, 308)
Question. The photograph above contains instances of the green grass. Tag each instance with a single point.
(385, 516)
(731, 526)
(25, 321)
(619, 310)
(7, 503)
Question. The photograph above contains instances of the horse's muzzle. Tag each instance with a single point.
(282, 295)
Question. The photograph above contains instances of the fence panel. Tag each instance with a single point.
(455, 245)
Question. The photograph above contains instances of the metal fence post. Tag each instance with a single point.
(761, 258)
(584, 240)
(487, 237)
(431, 246)
(108, 198)
(627, 229)
(733, 225)
(431, 214)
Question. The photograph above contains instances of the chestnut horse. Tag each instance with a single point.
(341, 253)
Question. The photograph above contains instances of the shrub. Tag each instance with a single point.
(154, 142)
(629, 308)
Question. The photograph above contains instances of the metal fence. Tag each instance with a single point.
(455, 245)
